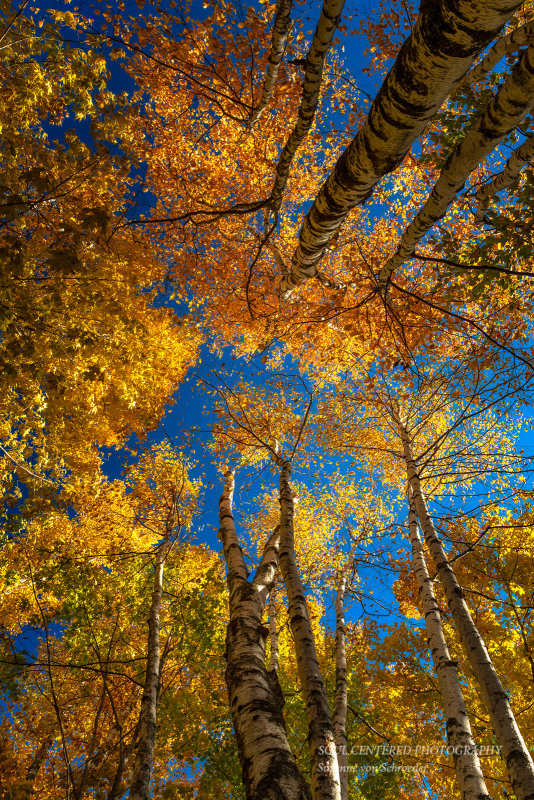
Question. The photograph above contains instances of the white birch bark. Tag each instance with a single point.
(504, 112)
(282, 24)
(313, 73)
(446, 39)
(268, 766)
(459, 736)
(513, 749)
(520, 36)
(144, 757)
(339, 717)
(323, 757)
(26, 788)
(38, 760)
(504, 179)
(273, 634)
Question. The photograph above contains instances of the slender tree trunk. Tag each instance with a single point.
(521, 156)
(503, 114)
(268, 766)
(459, 736)
(105, 751)
(26, 788)
(116, 790)
(324, 766)
(313, 74)
(144, 757)
(510, 43)
(339, 718)
(514, 751)
(446, 39)
(38, 759)
(91, 761)
(282, 24)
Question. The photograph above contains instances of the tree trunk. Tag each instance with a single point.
(324, 766)
(459, 736)
(506, 178)
(144, 757)
(38, 759)
(282, 24)
(273, 634)
(514, 751)
(116, 790)
(340, 702)
(510, 43)
(26, 788)
(268, 766)
(446, 39)
(322, 39)
(503, 114)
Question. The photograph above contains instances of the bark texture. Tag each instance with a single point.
(144, 757)
(324, 765)
(268, 766)
(519, 37)
(273, 635)
(38, 760)
(322, 39)
(504, 112)
(446, 39)
(514, 751)
(282, 24)
(459, 736)
(25, 788)
(339, 718)
(504, 179)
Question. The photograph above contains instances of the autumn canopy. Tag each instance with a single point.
(267, 381)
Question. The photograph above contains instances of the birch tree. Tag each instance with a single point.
(427, 68)
(268, 765)
(281, 26)
(467, 764)
(515, 752)
(340, 703)
(164, 499)
(503, 114)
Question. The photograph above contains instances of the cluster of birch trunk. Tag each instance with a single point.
(269, 767)
(438, 55)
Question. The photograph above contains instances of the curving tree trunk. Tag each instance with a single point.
(514, 751)
(324, 765)
(273, 634)
(446, 39)
(459, 736)
(268, 766)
